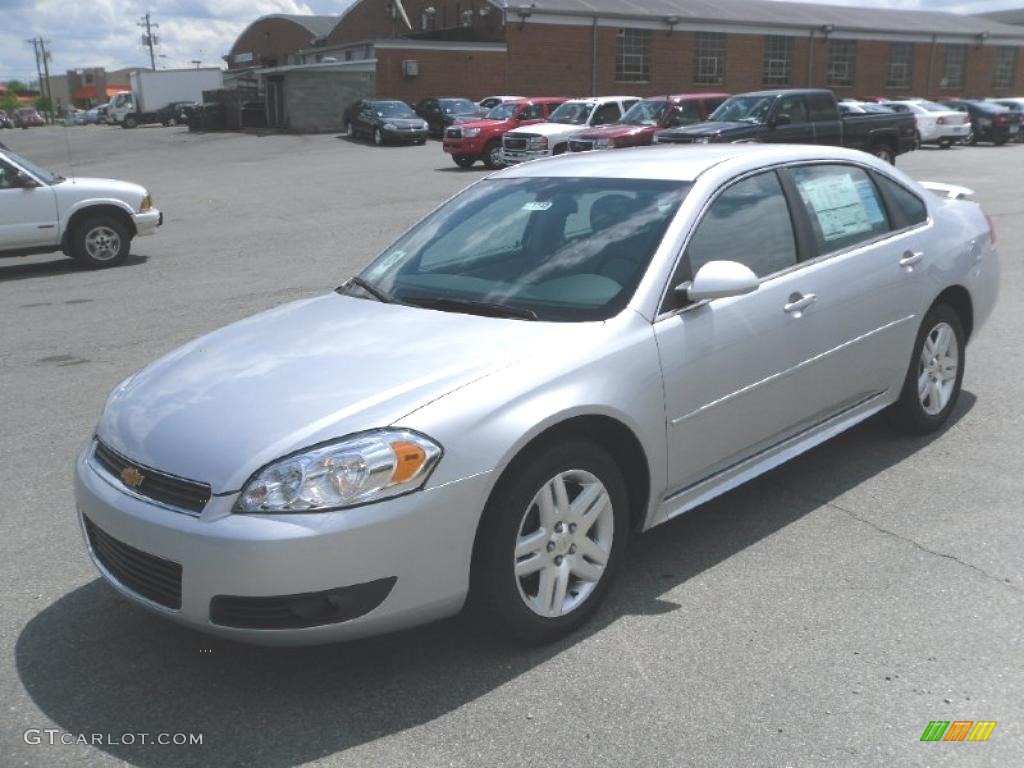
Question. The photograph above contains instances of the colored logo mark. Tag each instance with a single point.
(958, 730)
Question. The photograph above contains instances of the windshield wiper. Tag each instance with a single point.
(473, 307)
(358, 282)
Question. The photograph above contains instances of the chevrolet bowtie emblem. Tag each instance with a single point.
(131, 477)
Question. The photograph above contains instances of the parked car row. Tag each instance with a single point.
(958, 121)
(26, 117)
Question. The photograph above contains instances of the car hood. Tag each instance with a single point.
(404, 122)
(220, 407)
(615, 131)
(551, 129)
(485, 123)
(83, 187)
(714, 129)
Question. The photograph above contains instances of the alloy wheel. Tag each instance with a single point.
(937, 369)
(102, 243)
(564, 543)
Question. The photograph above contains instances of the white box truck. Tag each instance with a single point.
(154, 95)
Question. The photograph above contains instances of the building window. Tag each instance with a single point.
(778, 60)
(709, 58)
(842, 59)
(901, 65)
(956, 61)
(633, 56)
(1006, 67)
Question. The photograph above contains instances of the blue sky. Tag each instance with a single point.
(85, 33)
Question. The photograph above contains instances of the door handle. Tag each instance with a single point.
(910, 258)
(798, 302)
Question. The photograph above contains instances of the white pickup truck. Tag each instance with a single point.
(552, 138)
(92, 220)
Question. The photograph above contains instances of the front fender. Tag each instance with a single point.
(68, 214)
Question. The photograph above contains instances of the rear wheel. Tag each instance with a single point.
(492, 156)
(884, 152)
(549, 542)
(936, 371)
(464, 161)
(100, 242)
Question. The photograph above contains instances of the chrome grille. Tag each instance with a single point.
(188, 495)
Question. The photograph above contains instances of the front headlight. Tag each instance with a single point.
(604, 144)
(702, 140)
(147, 203)
(389, 127)
(539, 142)
(470, 133)
(355, 470)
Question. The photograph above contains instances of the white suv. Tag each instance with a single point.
(552, 137)
(91, 220)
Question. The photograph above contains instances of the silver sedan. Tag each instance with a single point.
(565, 352)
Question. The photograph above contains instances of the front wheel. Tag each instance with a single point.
(936, 371)
(129, 122)
(464, 161)
(549, 542)
(492, 156)
(100, 242)
(378, 137)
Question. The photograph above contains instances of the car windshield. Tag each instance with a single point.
(503, 111)
(744, 109)
(393, 109)
(458, 107)
(556, 249)
(572, 113)
(43, 175)
(645, 113)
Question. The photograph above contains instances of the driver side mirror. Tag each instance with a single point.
(783, 119)
(719, 280)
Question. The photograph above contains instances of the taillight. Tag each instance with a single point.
(991, 229)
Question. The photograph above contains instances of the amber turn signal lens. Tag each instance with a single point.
(409, 458)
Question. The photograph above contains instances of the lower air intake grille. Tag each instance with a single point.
(152, 577)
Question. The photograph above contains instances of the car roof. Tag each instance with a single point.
(673, 163)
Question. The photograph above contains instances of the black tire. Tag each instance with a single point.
(89, 244)
(420, 142)
(129, 122)
(496, 599)
(945, 144)
(464, 161)
(909, 412)
(492, 155)
(378, 137)
(884, 152)
(972, 139)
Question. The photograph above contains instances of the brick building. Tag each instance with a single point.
(581, 47)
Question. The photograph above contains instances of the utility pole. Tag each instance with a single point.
(39, 72)
(149, 39)
(45, 55)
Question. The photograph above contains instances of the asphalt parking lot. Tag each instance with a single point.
(819, 616)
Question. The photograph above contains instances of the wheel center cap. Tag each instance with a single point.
(562, 542)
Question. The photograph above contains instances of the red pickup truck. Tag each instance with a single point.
(481, 139)
(637, 127)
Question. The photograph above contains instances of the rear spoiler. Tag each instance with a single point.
(948, 191)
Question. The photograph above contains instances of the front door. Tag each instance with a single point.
(790, 122)
(732, 367)
(28, 214)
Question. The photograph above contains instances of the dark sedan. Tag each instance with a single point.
(383, 121)
(177, 112)
(445, 112)
(989, 121)
(28, 118)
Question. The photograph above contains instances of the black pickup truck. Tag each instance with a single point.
(798, 116)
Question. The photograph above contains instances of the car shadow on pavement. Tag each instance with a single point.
(95, 664)
(58, 265)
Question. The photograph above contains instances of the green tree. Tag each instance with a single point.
(16, 86)
(42, 104)
(9, 102)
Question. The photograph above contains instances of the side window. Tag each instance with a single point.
(687, 113)
(794, 107)
(8, 176)
(907, 209)
(822, 107)
(749, 223)
(533, 112)
(842, 203)
(606, 113)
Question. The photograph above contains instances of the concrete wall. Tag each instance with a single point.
(315, 100)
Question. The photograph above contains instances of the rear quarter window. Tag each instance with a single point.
(907, 208)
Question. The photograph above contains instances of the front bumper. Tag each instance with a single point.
(514, 156)
(418, 545)
(466, 147)
(146, 222)
(416, 134)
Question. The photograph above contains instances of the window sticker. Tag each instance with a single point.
(838, 204)
(537, 205)
(869, 197)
